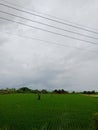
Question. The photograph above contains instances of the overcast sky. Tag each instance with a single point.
(42, 65)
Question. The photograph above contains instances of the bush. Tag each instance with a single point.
(96, 121)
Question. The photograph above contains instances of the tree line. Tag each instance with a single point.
(43, 91)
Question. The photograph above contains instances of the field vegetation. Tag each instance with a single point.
(23, 111)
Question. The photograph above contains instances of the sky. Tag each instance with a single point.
(61, 63)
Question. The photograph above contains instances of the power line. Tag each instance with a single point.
(59, 34)
(48, 25)
(48, 15)
(51, 19)
(50, 42)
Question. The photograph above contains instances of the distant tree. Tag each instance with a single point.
(36, 91)
(60, 91)
(89, 92)
(73, 92)
(8, 91)
(84, 92)
(55, 91)
(93, 92)
(24, 90)
(43, 91)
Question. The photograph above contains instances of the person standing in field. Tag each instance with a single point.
(39, 96)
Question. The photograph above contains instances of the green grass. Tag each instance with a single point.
(52, 112)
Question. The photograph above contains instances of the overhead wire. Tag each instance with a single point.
(49, 42)
(52, 16)
(45, 30)
(34, 21)
(50, 26)
(47, 18)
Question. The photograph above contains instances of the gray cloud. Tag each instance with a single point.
(26, 62)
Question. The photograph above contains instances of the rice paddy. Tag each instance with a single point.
(51, 112)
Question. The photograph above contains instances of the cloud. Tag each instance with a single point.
(38, 65)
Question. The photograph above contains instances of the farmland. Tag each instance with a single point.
(52, 112)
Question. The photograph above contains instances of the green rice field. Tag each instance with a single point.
(52, 112)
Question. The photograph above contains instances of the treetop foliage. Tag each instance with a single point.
(43, 91)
